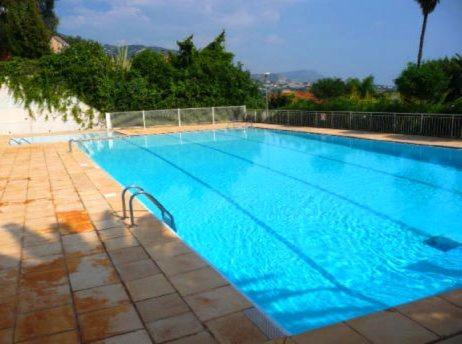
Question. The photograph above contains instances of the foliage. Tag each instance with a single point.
(429, 82)
(47, 11)
(121, 60)
(328, 88)
(192, 78)
(279, 100)
(23, 32)
(360, 88)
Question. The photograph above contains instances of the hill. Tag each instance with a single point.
(133, 49)
(303, 75)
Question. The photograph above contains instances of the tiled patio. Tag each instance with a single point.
(72, 271)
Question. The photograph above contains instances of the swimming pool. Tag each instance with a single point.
(312, 229)
(59, 138)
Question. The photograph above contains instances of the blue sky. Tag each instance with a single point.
(334, 37)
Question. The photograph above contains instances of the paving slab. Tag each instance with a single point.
(391, 327)
(224, 329)
(175, 327)
(161, 307)
(436, 314)
(109, 322)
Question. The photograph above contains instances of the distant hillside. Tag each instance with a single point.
(296, 76)
(133, 49)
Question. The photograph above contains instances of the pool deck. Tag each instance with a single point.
(72, 271)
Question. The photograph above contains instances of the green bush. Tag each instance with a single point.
(328, 88)
(23, 32)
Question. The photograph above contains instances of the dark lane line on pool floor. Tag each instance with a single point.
(272, 232)
(319, 188)
(418, 181)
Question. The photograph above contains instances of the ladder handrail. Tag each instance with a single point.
(170, 220)
(124, 191)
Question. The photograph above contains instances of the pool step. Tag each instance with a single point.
(442, 243)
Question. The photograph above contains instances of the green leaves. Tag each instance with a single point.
(192, 78)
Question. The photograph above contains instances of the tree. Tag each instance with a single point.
(428, 83)
(427, 7)
(47, 11)
(23, 32)
(328, 88)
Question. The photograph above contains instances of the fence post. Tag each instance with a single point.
(179, 117)
(255, 113)
(394, 123)
(452, 125)
(421, 124)
(108, 122)
(350, 120)
(213, 115)
(144, 120)
(316, 120)
(245, 112)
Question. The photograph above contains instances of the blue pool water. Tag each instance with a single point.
(59, 138)
(313, 229)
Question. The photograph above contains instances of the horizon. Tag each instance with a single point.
(270, 36)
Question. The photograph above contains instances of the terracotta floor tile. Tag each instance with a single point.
(453, 340)
(7, 291)
(7, 311)
(338, 333)
(167, 250)
(236, 328)
(137, 270)
(109, 322)
(37, 299)
(108, 222)
(454, 297)
(44, 322)
(9, 261)
(128, 255)
(120, 242)
(179, 264)
(148, 287)
(198, 280)
(436, 314)
(42, 250)
(46, 263)
(391, 327)
(199, 338)
(34, 239)
(217, 302)
(113, 233)
(91, 271)
(174, 327)
(100, 297)
(43, 279)
(161, 307)
(8, 276)
(6, 336)
(87, 245)
(137, 337)
(70, 337)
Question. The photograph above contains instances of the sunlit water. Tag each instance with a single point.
(313, 229)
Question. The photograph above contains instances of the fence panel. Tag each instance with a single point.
(438, 125)
(127, 119)
(161, 117)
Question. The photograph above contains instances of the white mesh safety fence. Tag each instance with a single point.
(150, 118)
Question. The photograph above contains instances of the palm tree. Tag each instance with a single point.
(427, 7)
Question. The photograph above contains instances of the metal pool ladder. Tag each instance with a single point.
(167, 217)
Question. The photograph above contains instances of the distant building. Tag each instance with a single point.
(57, 44)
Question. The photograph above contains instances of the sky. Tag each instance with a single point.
(342, 38)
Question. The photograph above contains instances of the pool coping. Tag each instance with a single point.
(432, 319)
